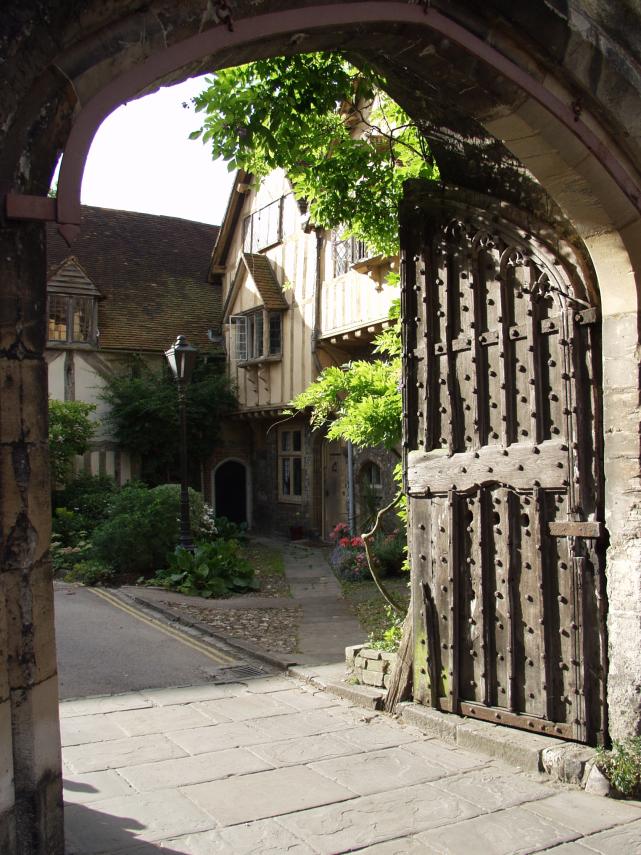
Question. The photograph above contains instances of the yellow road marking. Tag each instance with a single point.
(204, 649)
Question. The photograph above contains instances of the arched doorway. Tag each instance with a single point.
(230, 491)
(532, 79)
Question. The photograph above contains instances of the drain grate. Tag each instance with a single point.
(238, 672)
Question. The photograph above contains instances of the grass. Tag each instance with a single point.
(366, 603)
(269, 568)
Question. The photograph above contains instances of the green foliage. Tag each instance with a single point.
(360, 401)
(142, 528)
(70, 430)
(214, 569)
(90, 572)
(63, 558)
(143, 415)
(389, 550)
(68, 527)
(346, 146)
(622, 765)
(227, 530)
(89, 496)
(389, 637)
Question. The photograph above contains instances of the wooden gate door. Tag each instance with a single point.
(503, 470)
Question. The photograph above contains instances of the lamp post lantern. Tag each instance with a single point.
(181, 357)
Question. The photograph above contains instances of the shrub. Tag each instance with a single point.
(622, 765)
(68, 527)
(91, 573)
(213, 570)
(228, 530)
(88, 495)
(70, 430)
(142, 528)
(348, 557)
(63, 558)
(390, 638)
(390, 550)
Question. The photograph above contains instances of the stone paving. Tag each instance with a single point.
(275, 766)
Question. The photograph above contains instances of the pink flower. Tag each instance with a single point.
(357, 541)
(344, 541)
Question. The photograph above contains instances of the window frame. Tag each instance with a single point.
(355, 252)
(366, 470)
(247, 321)
(290, 456)
(251, 228)
(71, 300)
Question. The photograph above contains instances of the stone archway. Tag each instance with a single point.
(505, 92)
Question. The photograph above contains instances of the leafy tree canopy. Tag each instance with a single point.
(361, 401)
(70, 430)
(143, 414)
(345, 145)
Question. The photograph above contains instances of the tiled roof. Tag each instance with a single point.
(261, 271)
(152, 272)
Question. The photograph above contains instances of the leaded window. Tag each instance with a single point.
(71, 319)
(347, 252)
(256, 335)
(290, 465)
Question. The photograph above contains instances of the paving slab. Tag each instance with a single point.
(323, 777)
(97, 756)
(447, 756)
(81, 729)
(189, 694)
(378, 771)
(400, 846)
(261, 685)
(304, 749)
(265, 794)
(200, 740)
(94, 786)
(586, 813)
(164, 719)
(492, 788)
(264, 837)
(373, 819)
(299, 724)
(183, 771)
(308, 699)
(379, 733)
(104, 704)
(110, 825)
(624, 839)
(508, 832)
(247, 706)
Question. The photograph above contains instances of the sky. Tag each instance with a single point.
(142, 160)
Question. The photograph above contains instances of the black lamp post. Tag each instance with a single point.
(181, 357)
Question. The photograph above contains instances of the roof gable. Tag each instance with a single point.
(152, 272)
(260, 269)
(70, 277)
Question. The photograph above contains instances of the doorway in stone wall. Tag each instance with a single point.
(230, 491)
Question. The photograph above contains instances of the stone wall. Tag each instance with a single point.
(369, 667)
(272, 515)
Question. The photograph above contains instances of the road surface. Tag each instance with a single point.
(106, 646)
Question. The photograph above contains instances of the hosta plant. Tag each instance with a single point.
(214, 569)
